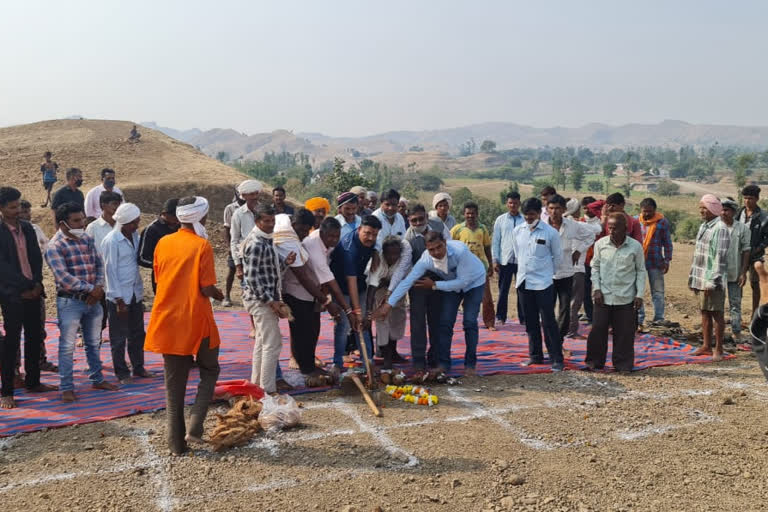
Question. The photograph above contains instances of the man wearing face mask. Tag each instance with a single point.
(92, 202)
(538, 250)
(69, 193)
(79, 274)
(462, 281)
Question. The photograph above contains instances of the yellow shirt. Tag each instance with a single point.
(477, 240)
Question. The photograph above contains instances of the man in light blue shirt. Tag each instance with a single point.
(347, 205)
(504, 261)
(125, 293)
(537, 248)
(463, 277)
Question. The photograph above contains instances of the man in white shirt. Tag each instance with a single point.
(243, 221)
(93, 198)
(381, 282)
(575, 239)
(125, 294)
(229, 211)
(101, 227)
(305, 280)
(504, 261)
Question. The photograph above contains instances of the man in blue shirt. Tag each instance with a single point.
(348, 262)
(504, 261)
(537, 248)
(463, 277)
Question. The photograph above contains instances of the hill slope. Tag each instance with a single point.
(148, 172)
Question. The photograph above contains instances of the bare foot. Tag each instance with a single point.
(43, 388)
(68, 397)
(701, 351)
(491, 327)
(319, 362)
(194, 439)
(106, 386)
(567, 354)
(470, 372)
(717, 356)
(292, 364)
(7, 402)
(252, 334)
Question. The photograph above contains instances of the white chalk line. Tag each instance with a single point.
(57, 477)
(164, 499)
(632, 435)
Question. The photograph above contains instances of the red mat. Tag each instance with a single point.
(498, 352)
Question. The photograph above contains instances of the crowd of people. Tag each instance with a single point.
(380, 261)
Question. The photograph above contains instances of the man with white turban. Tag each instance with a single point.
(125, 293)
(182, 327)
(362, 198)
(242, 221)
(441, 212)
(707, 277)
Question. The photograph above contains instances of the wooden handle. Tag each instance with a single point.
(366, 395)
(364, 348)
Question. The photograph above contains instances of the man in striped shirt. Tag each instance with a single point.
(707, 277)
(79, 274)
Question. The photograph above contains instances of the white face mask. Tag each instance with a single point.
(77, 233)
(441, 264)
(533, 224)
(420, 229)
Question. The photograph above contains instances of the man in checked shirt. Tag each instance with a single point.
(79, 274)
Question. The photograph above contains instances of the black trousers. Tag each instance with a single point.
(176, 375)
(588, 292)
(425, 318)
(541, 303)
(506, 273)
(623, 319)
(17, 315)
(127, 330)
(564, 291)
(305, 330)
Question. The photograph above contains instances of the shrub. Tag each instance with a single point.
(687, 229)
(595, 186)
(667, 188)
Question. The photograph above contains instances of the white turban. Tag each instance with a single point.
(193, 213)
(442, 196)
(126, 213)
(287, 241)
(357, 189)
(572, 206)
(372, 195)
(249, 187)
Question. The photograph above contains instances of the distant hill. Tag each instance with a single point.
(441, 146)
(149, 172)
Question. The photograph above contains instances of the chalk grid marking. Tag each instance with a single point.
(166, 501)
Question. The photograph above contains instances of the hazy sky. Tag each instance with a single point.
(361, 67)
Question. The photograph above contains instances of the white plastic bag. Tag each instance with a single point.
(279, 412)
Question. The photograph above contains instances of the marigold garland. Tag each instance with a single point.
(412, 394)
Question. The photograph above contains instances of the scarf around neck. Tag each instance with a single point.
(650, 225)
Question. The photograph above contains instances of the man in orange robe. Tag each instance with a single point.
(182, 327)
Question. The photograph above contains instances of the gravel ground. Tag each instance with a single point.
(676, 438)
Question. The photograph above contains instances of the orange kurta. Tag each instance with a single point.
(181, 315)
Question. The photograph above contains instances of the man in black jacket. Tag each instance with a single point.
(165, 224)
(21, 289)
(757, 220)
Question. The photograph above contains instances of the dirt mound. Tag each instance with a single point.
(150, 171)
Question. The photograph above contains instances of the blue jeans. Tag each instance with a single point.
(450, 308)
(72, 314)
(506, 273)
(656, 282)
(340, 330)
(734, 301)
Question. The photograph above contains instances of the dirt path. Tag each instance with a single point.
(719, 189)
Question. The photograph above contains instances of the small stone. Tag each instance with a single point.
(747, 475)
(516, 480)
(350, 508)
(455, 483)
(508, 502)
(88, 447)
(592, 458)
(548, 500)
(728, 401)
(529, 500)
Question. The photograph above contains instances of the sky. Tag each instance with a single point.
(360, 67)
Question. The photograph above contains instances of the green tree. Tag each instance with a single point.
(667, 188)
(222, 156)
(341, 179)
(608, 170)
(513, 187)
(577, 177)
(488, 146)
(742, 163)
(594, 185)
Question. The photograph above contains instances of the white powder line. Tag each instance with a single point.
(523, 436)
(164, 499)
(379, 435)
(118, 468)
